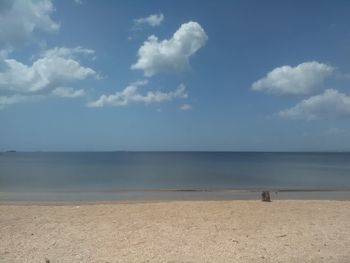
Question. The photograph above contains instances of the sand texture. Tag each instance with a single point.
(189, 231)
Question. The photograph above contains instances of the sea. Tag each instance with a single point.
(137, 176)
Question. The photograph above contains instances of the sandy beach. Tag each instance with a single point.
(186, 231)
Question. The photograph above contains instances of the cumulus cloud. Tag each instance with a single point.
(331, 103)
(301, 79)
(52, 69)
(152, 20)
(131, 95)
(173, 54)
(185, 107)
(20, 18)
(51, 73)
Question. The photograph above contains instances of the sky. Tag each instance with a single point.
(88, 75)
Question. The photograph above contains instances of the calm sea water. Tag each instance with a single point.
(111, 172)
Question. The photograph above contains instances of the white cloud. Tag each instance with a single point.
(65, 92)
(131, 95)
(53, 69)
(302, 79)
(172, 54)
(185, 107)
(78, 2)
(67, 52)
(62, 92)
(152, 20)
(331, 103)
(16, 98)
(20, 18)
(50, 73)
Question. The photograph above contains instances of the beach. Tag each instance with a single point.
(176, 231)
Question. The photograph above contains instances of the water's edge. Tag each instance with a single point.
(173, 195)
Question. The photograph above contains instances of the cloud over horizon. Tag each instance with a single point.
(302, 79)
(130, 94)
(330, 104)
(173, 54)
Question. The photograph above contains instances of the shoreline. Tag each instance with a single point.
(168, 195)
(140, 202)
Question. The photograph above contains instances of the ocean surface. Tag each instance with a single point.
(96, 176)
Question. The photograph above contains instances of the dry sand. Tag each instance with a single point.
(189, 231)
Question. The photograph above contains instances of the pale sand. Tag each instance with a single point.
(189, 231)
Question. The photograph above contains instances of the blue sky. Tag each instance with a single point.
(166, 75)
